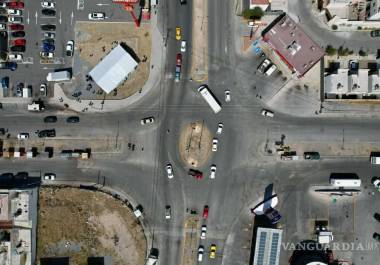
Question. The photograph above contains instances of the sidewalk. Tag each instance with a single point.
(157, 56)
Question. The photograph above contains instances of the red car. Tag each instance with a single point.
(15, 5)
(195, 173)
(16, 27)
(20, 42)
(205, 212)
(179, 59)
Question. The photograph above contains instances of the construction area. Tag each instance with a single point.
(79, 223)
(94, 41)
(195, 144)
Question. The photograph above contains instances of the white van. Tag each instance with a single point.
(153, 3)
(270, 70)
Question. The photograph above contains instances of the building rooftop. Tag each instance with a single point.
(292, 44)
(268, 244)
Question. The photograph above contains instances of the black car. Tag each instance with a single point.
(7, 175)
(3, 19)
(48, 27)
(50, 119)
(183, 2)
(22, 175)
(18, 34)
(18, 48)
(48, 12)
(46, 133)
(72, 119)
(376, 236)
(377, 217)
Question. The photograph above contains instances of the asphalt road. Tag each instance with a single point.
(243, 171)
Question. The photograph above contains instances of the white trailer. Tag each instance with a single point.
(349, 182)
(210, 99)
(36, 106)
(58, 76)
(375, 160)
(26, 92)
(270, 70)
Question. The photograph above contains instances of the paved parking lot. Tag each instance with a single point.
(32, 71)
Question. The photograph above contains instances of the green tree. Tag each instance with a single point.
(334, 27)
(255, 13)
(362, 53)
(330, 50)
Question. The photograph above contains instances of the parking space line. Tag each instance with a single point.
(36, 15)
(27, 20)
(80, 4)
(60, 17)
(72, 16)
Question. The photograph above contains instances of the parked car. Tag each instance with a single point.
(377, 217)
(8, 65)
(178, 33)
(15, 57)
(48, 47)
(50, 119)
(147, 120)
(48, 12)
(48, 27)
(182, 2)
(70, 48)
(43, 90)
(46, 4)
(46, 133)
(195, 174)
(201, 250)
(203, 231)
(72, 119)
(205, 212)
(311, 155)
(375, 33)
(16, 27)
(3, 19)
(49, 176)
(96, 16)
(23, 136)
(18, 34)
(179, 59)
(169, 171)
(183, 46)
(15, 20)
(15, 5)
(264, 66)
(168, 212)
(48, 41)
(227, 96)
(376, 182)
(47, 55)
(219, 130)
(15, 12)
(3, 26)
(214, 145)
(21, 42)
(376, 236)
(267, 113)
(212, 171)
(49, 35)
(18, 48)
(212, 251)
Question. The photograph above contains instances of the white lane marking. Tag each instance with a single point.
(60, 17)
(101, 4)
(36, 15)
(72, 16)
(27, 20)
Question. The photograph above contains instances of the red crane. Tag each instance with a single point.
(128, 6)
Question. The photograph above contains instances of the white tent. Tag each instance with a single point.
(113, 69)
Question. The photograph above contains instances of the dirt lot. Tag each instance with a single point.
(95, 40)
(79, 223)
(189, 251)
(195, 144)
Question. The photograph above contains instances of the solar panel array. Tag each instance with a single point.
(267, 251)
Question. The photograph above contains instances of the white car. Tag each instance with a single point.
(201, 250)
(96, 16)
(15, 57)
(203, 231)
(47, 55)
(23, 135)
(168, 212)
(212, 171)
(3, 26)
(49, 176)
(15, 20)
(376, 182)
(227, 96)
(169, 171)
(46, 4)
(70, 48)
(15, 12)
(183, 46)
(49, 35)
(267, 113)
(220, 128)
(147, 120)
(43, 90)
(214, 145)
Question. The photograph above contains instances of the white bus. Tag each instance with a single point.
(345, 180)
(209, 98)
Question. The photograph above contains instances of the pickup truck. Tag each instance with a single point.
(264, 66)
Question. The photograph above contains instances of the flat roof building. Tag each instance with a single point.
(291, 43)
(268, 244)
(113, 69)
